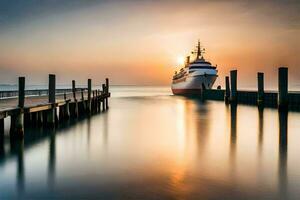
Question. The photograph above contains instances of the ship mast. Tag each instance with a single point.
(199, 51)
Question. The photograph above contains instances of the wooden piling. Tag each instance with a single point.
(51, 88)
(81, 104)
(74, 89)
(103, 97)
(17, 119)
(227, 92)
(21, 92)
(51, 113)
(260, 88)
(283, 88)
(233, 86)
(82, 95)
(67, 109)
(74, 106)
(107, 84)
(107, 91)
(89, 96)
(99, 101)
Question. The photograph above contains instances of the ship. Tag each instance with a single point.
(194, 76)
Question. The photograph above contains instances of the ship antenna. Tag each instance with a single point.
(198, 50)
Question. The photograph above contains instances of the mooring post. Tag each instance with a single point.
(51, 116)
(89, 96)
(81, 106)
(82, 95)
(283, 88)
(67, 109)
(233, 86)
(17, 120)
(260, 88)
(103, 96)
(94, 107)
(75, 104)
(107, 91)
(96, 100)
(99, 101)
(227, 91)
(74, 90)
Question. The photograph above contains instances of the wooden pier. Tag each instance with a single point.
(55, 110)
(283, 99)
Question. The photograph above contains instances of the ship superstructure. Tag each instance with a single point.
(194, 76)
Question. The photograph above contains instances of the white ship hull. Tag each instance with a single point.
(193, 84)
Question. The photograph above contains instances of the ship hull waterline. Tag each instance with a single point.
(193, 85)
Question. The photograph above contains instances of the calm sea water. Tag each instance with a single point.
(152, 145)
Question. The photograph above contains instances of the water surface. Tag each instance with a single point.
(152, 145)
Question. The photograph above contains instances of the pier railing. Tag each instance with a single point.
(38, 92)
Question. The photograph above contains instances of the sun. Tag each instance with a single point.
(180, 60)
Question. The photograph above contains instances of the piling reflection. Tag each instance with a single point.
(52, 159)
(88, 131)
(105, 129)
(233, 134)
(202, 123)
(17, 148)
(283, 145)
(2, 150)
(260, 129)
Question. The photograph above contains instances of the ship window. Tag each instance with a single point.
(202, 67)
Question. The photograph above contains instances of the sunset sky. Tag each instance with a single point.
(140, 42)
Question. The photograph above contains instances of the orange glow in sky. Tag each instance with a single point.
(141, 42)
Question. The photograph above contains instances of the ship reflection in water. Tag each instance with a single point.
(159, 147)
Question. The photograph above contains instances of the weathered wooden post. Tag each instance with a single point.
(107, 91)
(283, 88)
(51, 113)
(89, 96)
(17, 119)
(94, 101)
(81, 105)
(67, 109)
(260, 87)
(103, 97)
(82, 95)
(74, 106)
(233, 86)
(99, 101)
(74, 90)
(227, 91)
(61, 114)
